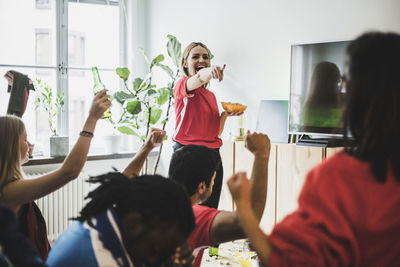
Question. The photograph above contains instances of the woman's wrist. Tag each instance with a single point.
(205, 75)
(223, 117)
(86, 134)
(90, 124)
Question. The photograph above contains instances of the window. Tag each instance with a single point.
(76, 52)
(43, 4)
(42, 48)
(92, 41)
(76, 49)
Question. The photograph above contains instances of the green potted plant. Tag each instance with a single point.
(52, 103)
(143, 103)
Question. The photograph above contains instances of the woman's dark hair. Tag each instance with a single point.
(324, 89)
(152, 196)
(190, 165)
(373, 101)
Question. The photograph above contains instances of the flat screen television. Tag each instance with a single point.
(316, 92)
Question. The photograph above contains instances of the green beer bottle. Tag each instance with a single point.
(98, 86)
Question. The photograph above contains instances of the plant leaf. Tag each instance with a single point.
(156, 60)
(151, 92)
(163, 94)
(134, 107)
(136, 84)
(145, 56)
(148, 87)
(123, 73)
(174, 50)
(134, 126)
(127, 130)
(144, 82)
(155, 115)
(211, 55)
(166, 69)
(121, 96)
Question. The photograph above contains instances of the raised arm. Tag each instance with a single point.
(260, 146)
(26, 190)
(240, 190)
(154, 139)
(203, 76)
(226, 226)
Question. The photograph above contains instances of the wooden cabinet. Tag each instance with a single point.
(268, 219)
(244, 162)
(227, 156)
(287, 170)
(332, 150)
(293, 163)
(236, 158)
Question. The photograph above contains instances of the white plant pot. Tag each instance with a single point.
(112, 144)
(59, 146)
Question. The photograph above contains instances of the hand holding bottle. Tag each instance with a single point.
(97, 88)
(100, 104)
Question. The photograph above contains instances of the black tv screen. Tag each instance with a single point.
(316, 92)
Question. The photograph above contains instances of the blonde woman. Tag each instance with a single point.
(198, 121)
(18, 193)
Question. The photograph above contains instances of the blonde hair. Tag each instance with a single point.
(11, 128)
(184, 71)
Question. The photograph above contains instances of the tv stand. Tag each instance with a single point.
(306, 140)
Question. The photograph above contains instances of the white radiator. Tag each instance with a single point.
(65, 203)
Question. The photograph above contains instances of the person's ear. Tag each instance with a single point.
(185, 65)
(201, 188)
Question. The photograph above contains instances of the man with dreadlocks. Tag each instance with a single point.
(128, 222)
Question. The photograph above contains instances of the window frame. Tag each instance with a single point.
(62, 67)
(43, 5)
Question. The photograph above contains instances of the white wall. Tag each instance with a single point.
(253, 37)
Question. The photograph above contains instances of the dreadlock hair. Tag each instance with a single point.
(190, 165)
(372, 111)
(152, 196)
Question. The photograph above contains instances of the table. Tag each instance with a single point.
(232, 254)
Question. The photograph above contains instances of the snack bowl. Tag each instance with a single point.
(233, 107)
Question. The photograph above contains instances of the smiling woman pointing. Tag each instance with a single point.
(198, 121)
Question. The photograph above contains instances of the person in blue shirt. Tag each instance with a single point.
(127, 222)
